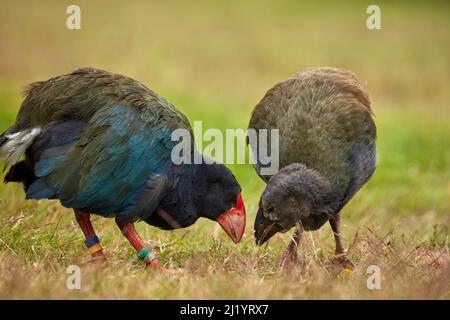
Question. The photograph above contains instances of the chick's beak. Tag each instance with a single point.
(264, 229)
(233, 221)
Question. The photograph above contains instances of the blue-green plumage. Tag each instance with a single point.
(104, 147)
(109, 164)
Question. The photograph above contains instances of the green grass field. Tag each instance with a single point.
(215, 62)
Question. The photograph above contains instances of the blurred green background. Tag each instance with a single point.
(215, 60)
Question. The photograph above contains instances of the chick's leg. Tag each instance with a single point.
(290, 256)
(335, 223)
(144, 253)
(92, 241)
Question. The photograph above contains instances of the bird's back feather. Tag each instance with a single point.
(104, 145)
(321, 115)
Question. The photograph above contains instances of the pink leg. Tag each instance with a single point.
(84, 221)
(136, 241)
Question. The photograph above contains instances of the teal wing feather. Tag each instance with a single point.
(117, 164)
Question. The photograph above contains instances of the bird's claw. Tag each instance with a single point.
(343, 262)
(98, 257)
(153, 264)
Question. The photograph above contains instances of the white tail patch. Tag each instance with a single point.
(16, 144)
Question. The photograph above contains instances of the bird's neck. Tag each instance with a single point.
(198, 187)
(185, 199)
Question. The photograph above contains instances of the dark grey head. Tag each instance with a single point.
(218, 198)
(216, 188)
(291, 197)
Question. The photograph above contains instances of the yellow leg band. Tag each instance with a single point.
(96, 247)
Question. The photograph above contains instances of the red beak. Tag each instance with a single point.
(233, 221)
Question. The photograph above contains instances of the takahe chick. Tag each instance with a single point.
(326, 152)
(101, 143)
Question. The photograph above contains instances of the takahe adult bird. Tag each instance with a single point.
(101, 143)
(326, 153)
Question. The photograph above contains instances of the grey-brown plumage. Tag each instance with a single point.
(326, 148)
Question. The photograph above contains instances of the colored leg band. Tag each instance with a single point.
(93, 244)
(91, 241)
(146, 255)
(95, 248)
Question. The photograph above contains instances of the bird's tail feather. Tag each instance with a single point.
(14, 144)
(3, 140)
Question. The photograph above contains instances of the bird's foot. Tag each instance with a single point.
(98, 257)
(341, 261)
(153, 264)
(144, 251)
(150, 260)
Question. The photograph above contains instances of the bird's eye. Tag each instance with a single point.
(269, 209)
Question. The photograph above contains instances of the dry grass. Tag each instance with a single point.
(221, 272)
(37, 249)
